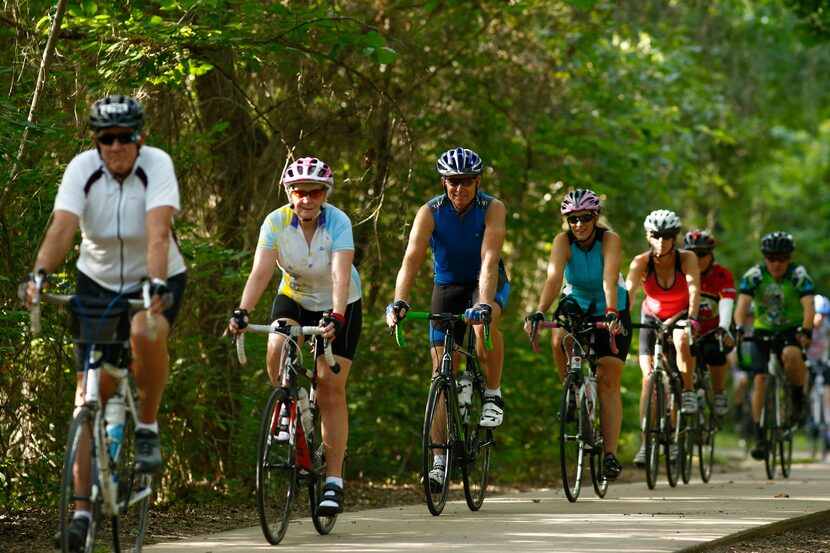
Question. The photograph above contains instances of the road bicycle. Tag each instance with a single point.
(580, 432)
(102, 432)
(704, 425)
(777, 413)
(662, 423)
(819, 412)
(452, 426)
(290, 451)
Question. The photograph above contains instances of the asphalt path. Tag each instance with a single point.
(630, 518)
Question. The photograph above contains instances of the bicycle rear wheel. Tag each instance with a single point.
(571, 446)
(134, 491)
(437, 439)
(708, 428)
(479, 444)
(276, 470)
(771, 425)
(652, 428)
(323, 524)
(79, 447)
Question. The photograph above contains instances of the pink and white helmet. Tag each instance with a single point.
(308, 170)
(580, 199)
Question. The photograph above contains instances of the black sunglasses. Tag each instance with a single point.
(663, 235)
(585, 218)
(778, 258)
(460, 181)
(701, 253)
(123, 138)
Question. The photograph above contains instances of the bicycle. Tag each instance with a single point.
(663, 424)
(705, 424)
(290, 452)
(452, 428)
(579, 426)
(777, 413)
(819, 412)
(102, 436)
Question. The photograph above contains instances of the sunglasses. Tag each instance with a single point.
(461, 181)
(778, 258)
(315, 194)
(122, 138)
(663, 235)
(586, 218)
(701, 253)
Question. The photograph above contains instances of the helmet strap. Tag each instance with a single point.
(657, 255)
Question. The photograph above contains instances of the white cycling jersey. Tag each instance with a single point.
(306, 269)
(112, 215)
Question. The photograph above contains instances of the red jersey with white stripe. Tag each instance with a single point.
(716, 284)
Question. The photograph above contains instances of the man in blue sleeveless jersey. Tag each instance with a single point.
(465, 229)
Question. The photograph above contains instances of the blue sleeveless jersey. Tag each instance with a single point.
(584, 276)
(455, 242)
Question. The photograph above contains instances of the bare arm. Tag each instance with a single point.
(59, 238)
(341, 277)
(560, 254)
(494, 231)
(636, 271)
(742, 309)
(265, 262)
(158, 222)
(688, 263)
(611, 246)
(808, 311)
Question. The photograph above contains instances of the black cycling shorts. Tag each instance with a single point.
(648, 337)
(602, 343)
(760, 351)
(119, 354)
(344, 345)
(709, 346)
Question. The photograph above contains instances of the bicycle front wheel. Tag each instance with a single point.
(134, 493)
(479, 444)
(690, 435)
(276, 470)
(437, 440)
(771, 425)
(571, 446)
(708, 429)
(788, 427)
(675, 444)
(323, 524)
(653, 420)
(79, 453)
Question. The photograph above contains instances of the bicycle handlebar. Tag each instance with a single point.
(599, 325)
(442, 317)
(286, 330)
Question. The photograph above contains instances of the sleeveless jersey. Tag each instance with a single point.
(660, 302)
(714, 286)
(456, 242)
(777, 302)
(306, 269)
(583, 274)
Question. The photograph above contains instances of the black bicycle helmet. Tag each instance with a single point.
(698, 240)
(116, 111)
(777, 242)
(459, 161)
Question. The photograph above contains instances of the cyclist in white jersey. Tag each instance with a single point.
(123, 195)
(311, 242)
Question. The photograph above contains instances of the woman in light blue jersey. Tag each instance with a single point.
(587, 257)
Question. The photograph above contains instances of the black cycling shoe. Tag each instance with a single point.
(760, 451)
(611, 467)
(75, 535)
(147, 451)
(800, 413)
(332, 502)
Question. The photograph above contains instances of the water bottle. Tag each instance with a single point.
(114, 415)
(305, 410)
(465, 395)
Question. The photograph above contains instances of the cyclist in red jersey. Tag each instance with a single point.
(671, 281)
(717, 290)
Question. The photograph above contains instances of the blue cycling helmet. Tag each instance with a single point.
(459, 161)
(822, 304)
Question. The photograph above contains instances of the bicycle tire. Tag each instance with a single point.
(78, 443)
(708, 430)
(276, 469)
(571, 445)
(788, 428)
(598, 478)
(323, 524)
(652, 428)
(479, 442)
(689, 437)
(675, 436)
(437, 415)
(770, 426)
(130, 525)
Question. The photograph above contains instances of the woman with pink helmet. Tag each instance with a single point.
(587, 257)
(311, 242)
